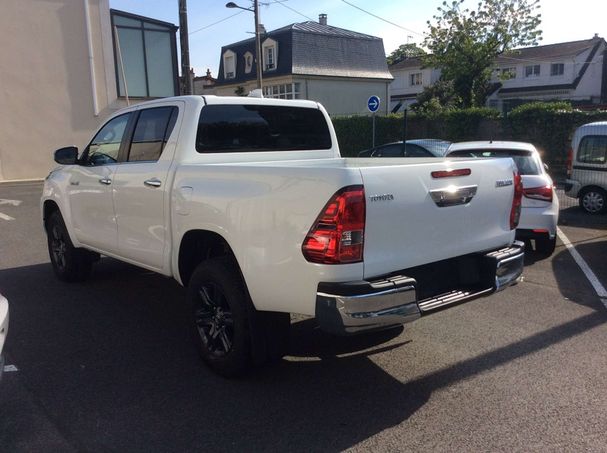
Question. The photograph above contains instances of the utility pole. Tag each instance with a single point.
(258, 55)
(185, 47)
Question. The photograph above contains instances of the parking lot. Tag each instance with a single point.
(109, 365)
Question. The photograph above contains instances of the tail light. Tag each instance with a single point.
(539, 193)
(569, 162)
(337, 236)
(515, 211)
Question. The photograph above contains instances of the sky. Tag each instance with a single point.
(211, 27)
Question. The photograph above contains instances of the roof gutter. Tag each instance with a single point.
(89, 39)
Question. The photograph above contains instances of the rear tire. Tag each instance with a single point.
(221, 314)
(594, 201)
(545, 246)
(70, 264)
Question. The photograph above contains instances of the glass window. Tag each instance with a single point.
(524, 160)
(229, 65)
(148, 52)
(557, 69)
(251, 128)
(395, 150)
(532, 71)
(153, 129)
(105, 146)
(593, 149)
(508, 73)
(416, 151)
(415, 79)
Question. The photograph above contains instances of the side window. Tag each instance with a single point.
(416, 151)
(152, 131)
(593, 149)
(105, 146)
(389, 151)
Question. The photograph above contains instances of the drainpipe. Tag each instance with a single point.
(89, 39)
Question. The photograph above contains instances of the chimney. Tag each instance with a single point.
(596, 36)
(322, 19)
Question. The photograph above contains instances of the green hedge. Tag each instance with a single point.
(549, 126)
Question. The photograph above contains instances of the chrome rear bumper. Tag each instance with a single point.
(352, 307)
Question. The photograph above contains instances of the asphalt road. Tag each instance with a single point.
(109, 365)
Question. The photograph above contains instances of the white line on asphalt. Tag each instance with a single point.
(9, 368)
(11, 202)
(6, 217)
(592, 278)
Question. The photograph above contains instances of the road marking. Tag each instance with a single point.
(11, 202)
(10, 368)
(592, 278)
(6, 217)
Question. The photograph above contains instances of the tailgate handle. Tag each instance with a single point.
(453, 196)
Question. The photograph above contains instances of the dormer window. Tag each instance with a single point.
(270, 54)
(229, 64)
(248, 62)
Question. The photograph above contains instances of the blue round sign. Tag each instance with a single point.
(373, 104)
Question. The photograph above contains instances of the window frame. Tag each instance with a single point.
(166, 28)
(226, 55)
(126, 137)
(533, 74)
(419, 78)
(560, 73)
(266, 46)
(584, 139)
(167, 133)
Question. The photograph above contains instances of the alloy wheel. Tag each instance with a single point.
(214, 320)
(58, 247)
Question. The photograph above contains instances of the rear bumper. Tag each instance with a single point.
(353, 307)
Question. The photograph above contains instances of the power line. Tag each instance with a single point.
(381, 18)
(281, 3)
(215, 23)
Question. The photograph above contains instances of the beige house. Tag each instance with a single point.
(60, 75)
(339, 68)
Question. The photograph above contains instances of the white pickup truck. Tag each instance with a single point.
(248, 203)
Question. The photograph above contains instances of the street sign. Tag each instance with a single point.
(373, 104)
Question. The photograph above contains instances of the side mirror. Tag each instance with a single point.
(67, 155)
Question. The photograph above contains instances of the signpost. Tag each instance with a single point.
(373, 106)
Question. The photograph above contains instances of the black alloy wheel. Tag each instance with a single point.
(214, 320)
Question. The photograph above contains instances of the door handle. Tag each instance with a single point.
(153, 182)
(106, 181)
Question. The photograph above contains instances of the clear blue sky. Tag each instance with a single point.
(562, 20)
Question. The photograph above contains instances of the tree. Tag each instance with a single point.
(405, 51)
(465, 43)
(437, 98)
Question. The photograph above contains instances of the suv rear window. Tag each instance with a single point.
(251, 128)
(593, 149)
(524, 160)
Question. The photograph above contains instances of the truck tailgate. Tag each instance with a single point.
(407, 224)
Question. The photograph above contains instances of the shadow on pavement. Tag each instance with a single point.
(111, 363)
(576, 217)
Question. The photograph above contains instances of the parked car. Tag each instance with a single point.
(587, 167)
(425, 147)
(3, 329)
(540, 209)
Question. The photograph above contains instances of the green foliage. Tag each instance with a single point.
(465, 43)
(405, 51)
(437, 98)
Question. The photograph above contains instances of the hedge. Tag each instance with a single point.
(548, 126)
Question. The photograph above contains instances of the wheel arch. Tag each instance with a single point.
(197, 246)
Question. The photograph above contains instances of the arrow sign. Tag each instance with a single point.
(11, 202)
(373, 104)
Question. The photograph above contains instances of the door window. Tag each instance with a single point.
(154, 126)
(105, 146)
(593, 149)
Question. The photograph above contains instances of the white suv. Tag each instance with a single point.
(587, 167)
(540, 208)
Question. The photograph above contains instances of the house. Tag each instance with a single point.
(66, 66)
(575, 71)
(410, 79)
(204, 84)
(310, 60)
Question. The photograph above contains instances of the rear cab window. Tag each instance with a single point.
(254, 128)
(525, 161)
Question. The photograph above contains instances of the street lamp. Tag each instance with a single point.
(255, 11)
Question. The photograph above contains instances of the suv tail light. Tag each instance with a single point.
(338, 234)
(539, 193)
(569, 162)
(515, 211)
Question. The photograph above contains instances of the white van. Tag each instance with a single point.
(587, 167)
